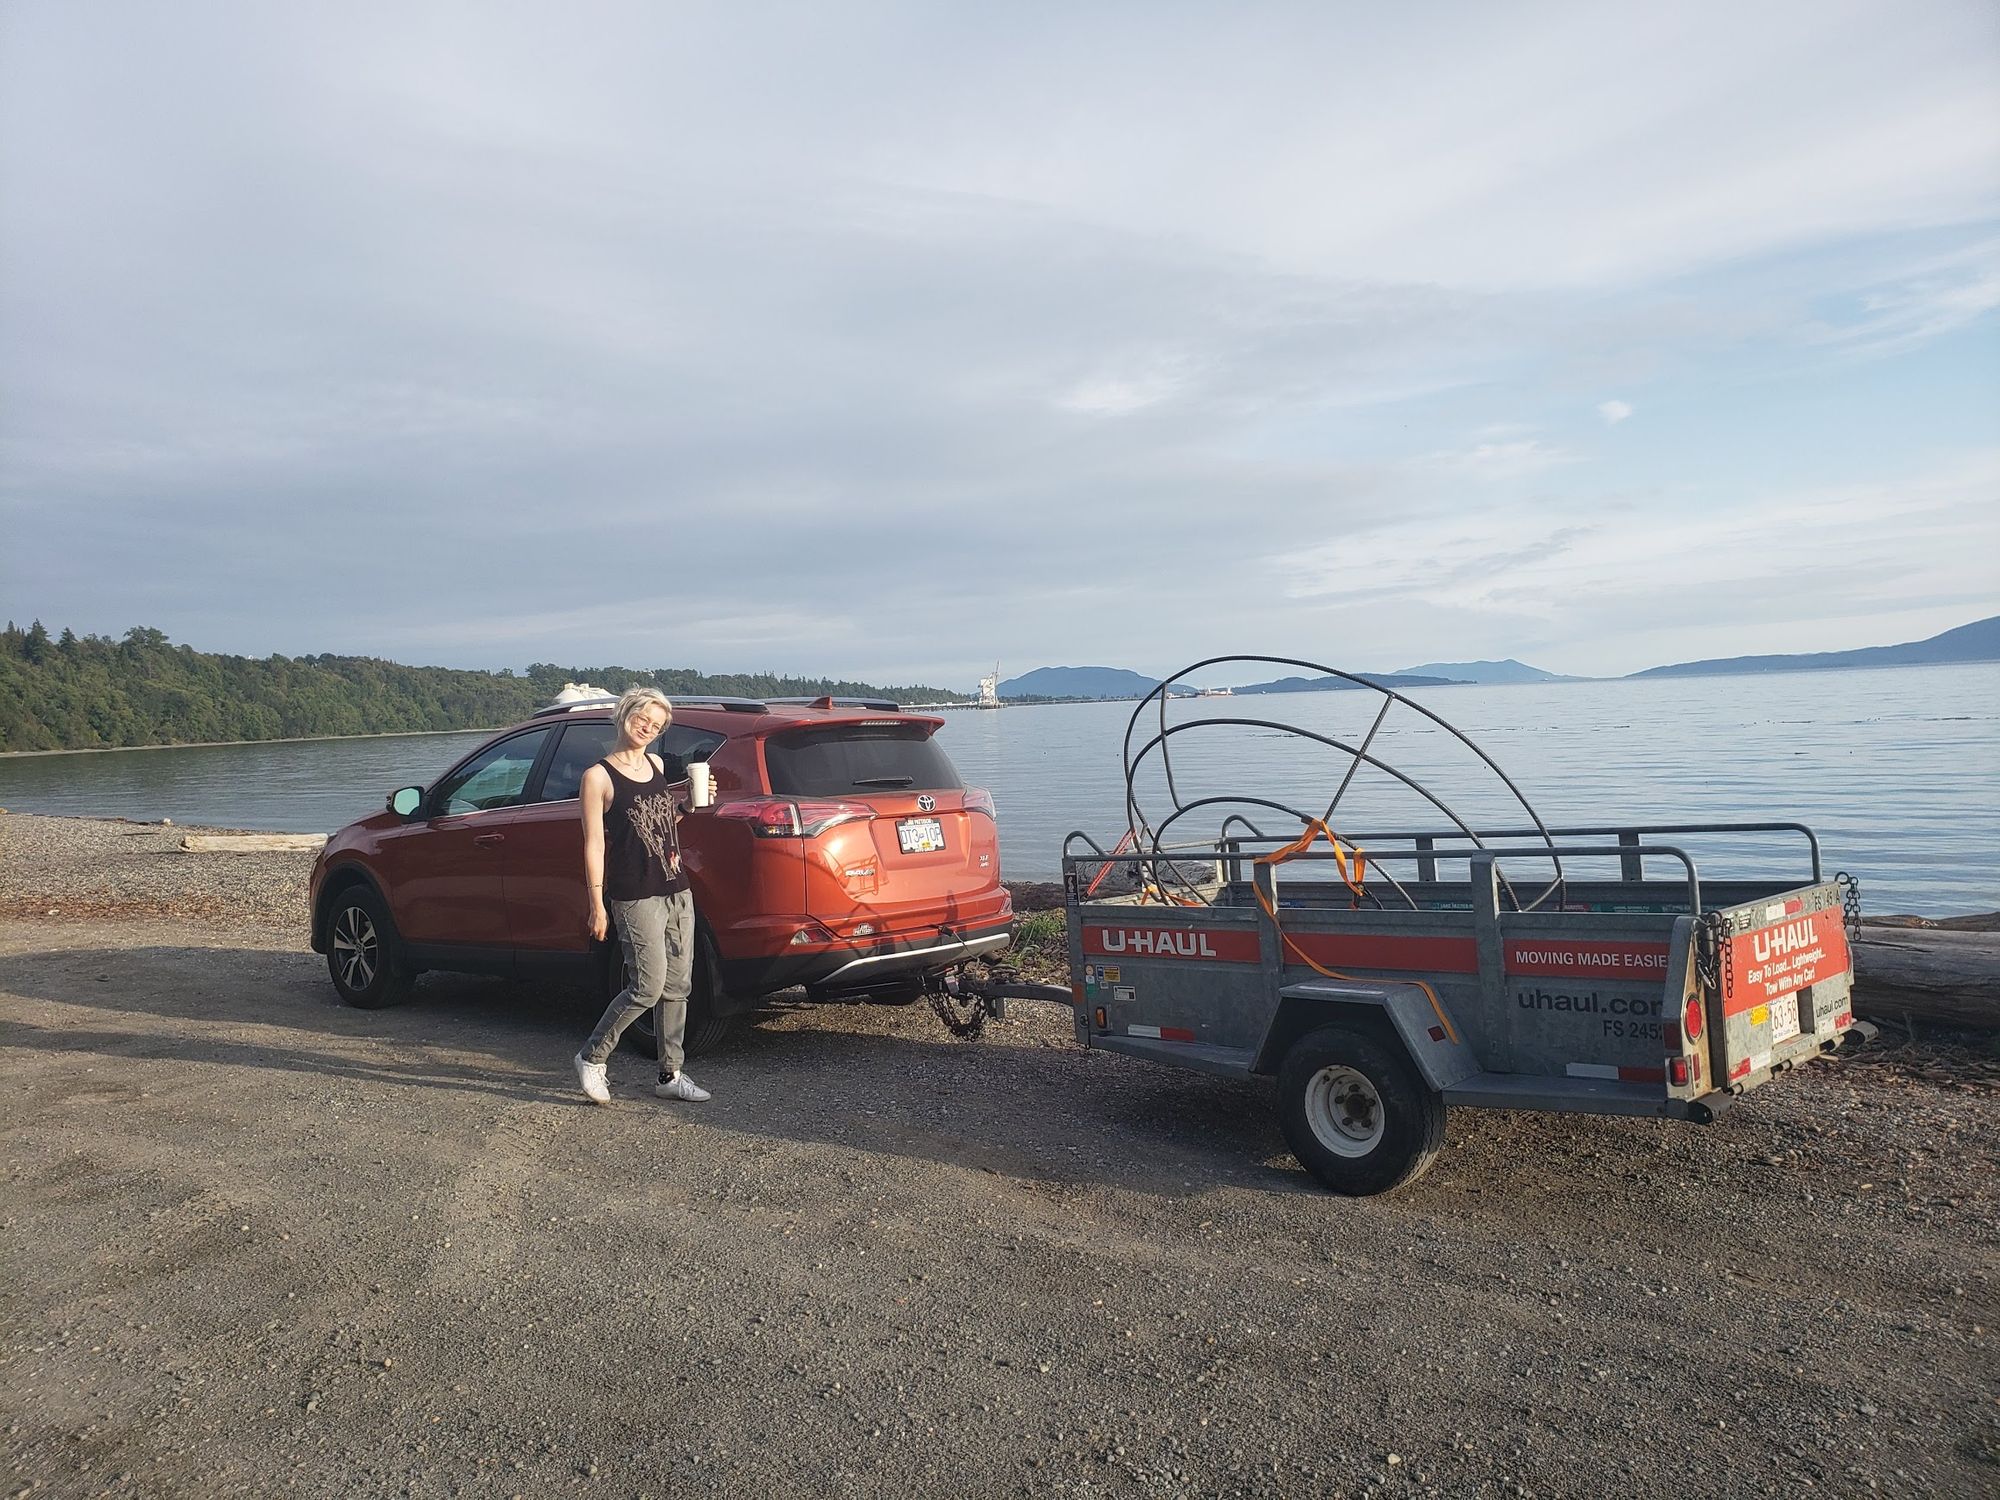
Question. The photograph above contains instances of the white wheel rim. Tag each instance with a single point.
(1344, 1111)
(355, 947)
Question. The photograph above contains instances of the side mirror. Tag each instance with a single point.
(405, 802)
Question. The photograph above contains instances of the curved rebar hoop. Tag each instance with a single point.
(1237, 799)
(1144, 832)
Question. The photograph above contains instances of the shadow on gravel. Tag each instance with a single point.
(834, 1075)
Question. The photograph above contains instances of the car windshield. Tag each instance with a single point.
(844, 759)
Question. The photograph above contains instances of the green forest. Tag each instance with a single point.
(91, 692)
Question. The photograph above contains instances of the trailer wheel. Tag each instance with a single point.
(1356, 1114)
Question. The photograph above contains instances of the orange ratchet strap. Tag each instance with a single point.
(1314, 829)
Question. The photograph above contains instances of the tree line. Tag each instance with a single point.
(91, 692)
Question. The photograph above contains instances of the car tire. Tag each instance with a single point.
(363, 954)
(706, 1029)
(1356, 1113)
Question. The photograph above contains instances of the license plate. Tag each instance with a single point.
(1784, 1018)
(920, 835)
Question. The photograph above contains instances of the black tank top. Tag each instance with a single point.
(642, 841)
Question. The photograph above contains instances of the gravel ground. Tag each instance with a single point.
(256, 1242)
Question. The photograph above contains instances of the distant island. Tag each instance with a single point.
(1979, 641)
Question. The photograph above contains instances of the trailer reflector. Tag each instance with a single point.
(1740, 1069)
(1614, 1073)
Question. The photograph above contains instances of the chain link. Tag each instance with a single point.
(1850, 904)
(1712, 952)
(964, 1015)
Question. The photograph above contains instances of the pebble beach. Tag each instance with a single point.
(259, 1242)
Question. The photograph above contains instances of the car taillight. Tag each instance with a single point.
(768, 818)
(1691, 1019)
(817, 817)
(777, 818)
(978, 799)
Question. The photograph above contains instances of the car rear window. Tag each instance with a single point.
(842, 759)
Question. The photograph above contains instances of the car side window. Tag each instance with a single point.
(679, 743)
(582, 746)
(494, 778)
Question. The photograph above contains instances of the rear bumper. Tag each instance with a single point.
(859, 966)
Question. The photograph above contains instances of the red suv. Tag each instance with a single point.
(842, 853)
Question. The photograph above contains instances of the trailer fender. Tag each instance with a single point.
(1406, 1011)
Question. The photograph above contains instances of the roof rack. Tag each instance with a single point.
(711, 700)
(828, 700)
(707, 700)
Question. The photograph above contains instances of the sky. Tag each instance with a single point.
(890, 341)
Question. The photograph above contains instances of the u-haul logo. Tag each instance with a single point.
(1773, 942)
(1217, 945)
(1158, 942)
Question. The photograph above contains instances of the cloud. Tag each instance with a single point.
(648, 335)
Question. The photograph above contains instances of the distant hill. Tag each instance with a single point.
(1979, 641)
(1338, 684)
(1508, 671)
(71, 692)
(1078, 682)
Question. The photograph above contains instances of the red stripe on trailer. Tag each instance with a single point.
(1770, 962)
(1176, 1034)
(1644, 960)
(1229, 945)
(1741, 1069)
(1609, 1071)
(1431, 955)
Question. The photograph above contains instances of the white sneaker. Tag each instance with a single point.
(680, 1086)
(591, 1076)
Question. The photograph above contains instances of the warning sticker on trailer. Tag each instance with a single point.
(1771, 962)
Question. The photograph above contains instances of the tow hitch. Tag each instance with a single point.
(964, 998)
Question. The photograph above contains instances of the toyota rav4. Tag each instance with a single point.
(842, 852)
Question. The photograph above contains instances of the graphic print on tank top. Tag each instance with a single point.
(653, 821)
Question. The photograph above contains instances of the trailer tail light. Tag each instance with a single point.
(777, 818)
(1678, 1072)
(978, 799)
(1692, 1019)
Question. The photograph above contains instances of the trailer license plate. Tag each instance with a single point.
(1785, 1018)
(920, 835)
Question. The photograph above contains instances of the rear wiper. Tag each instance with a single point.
(884, 780)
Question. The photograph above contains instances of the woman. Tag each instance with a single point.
(632, 862)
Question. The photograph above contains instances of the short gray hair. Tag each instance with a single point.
(634, 699)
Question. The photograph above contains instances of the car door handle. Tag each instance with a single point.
(489, 838)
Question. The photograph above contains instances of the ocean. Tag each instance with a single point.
(1896, 769)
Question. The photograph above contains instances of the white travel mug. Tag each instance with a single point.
(701, 785)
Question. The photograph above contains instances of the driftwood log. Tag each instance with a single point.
(1951, 978)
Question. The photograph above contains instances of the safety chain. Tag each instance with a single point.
(1711, 951)
(1850, 904)
(965, 1015)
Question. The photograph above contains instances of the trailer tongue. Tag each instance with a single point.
(1383, 978)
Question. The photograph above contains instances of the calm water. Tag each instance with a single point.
(1897, 770)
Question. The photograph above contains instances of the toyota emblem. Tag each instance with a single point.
(926, 802)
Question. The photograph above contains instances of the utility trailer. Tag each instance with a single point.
(1377, 1009)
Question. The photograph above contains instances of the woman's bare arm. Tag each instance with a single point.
(595, 794)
